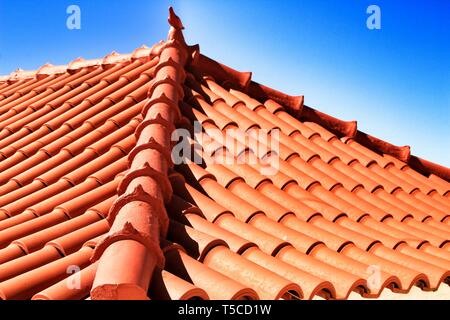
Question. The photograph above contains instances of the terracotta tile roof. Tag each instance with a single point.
(93, 205)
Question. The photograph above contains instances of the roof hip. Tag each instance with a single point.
(139, 213)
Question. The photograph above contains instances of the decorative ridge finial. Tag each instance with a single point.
(176, 35)
(176, 27)
(174, 20)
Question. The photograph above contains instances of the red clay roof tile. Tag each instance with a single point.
(74, 287)
(343, 281)
(167, 286)
(216, 284)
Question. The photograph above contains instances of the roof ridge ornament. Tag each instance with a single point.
(176, 27)
(174, 20)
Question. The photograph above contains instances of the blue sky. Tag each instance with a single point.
(395, 81)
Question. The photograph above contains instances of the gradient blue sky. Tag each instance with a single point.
(394, 81)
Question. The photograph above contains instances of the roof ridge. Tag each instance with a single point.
(139, 213)
(49, 69)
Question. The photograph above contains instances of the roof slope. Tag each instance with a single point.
(273, 200)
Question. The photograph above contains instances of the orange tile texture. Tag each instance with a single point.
(93, 206)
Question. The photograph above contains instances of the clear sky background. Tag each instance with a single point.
(394, 81)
